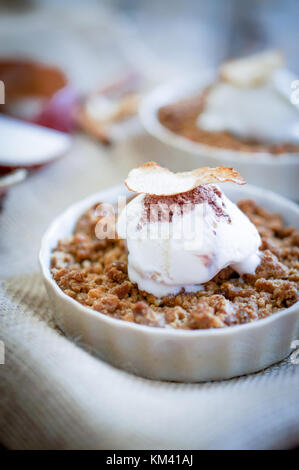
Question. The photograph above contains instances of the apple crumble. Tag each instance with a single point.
(94, 273)
(233, 112)
(181, 118)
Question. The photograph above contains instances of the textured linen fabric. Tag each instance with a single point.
(54, 393)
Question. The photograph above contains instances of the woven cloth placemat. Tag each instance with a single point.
(54, 394)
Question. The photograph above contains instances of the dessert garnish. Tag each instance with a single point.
(252, 70)
(151, 178)
(246, 102)
(106, 114)
(181, 230)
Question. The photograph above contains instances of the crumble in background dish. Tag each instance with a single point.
(181, 118)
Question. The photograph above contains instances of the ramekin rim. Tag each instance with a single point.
(149, 119)
(83, 204)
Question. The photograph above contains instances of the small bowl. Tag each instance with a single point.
(170, 354)
(279, 172)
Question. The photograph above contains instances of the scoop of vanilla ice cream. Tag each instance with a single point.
(260, 113)
(189, 248)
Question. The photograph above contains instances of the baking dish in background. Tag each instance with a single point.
(279, 173)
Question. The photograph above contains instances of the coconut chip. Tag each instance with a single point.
(253, 70)
(151, 178)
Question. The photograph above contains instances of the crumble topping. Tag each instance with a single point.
(94, 272)
(181, 118)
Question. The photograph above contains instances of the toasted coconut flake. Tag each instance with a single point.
(253, 70)
(151, 178)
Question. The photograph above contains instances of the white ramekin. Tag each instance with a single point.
(277, 172)
(170, 354)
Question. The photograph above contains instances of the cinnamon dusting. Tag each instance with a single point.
(163, 208)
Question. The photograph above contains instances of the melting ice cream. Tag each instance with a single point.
(181, 230)
(246, 102)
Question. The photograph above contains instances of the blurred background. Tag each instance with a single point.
(93, 39)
